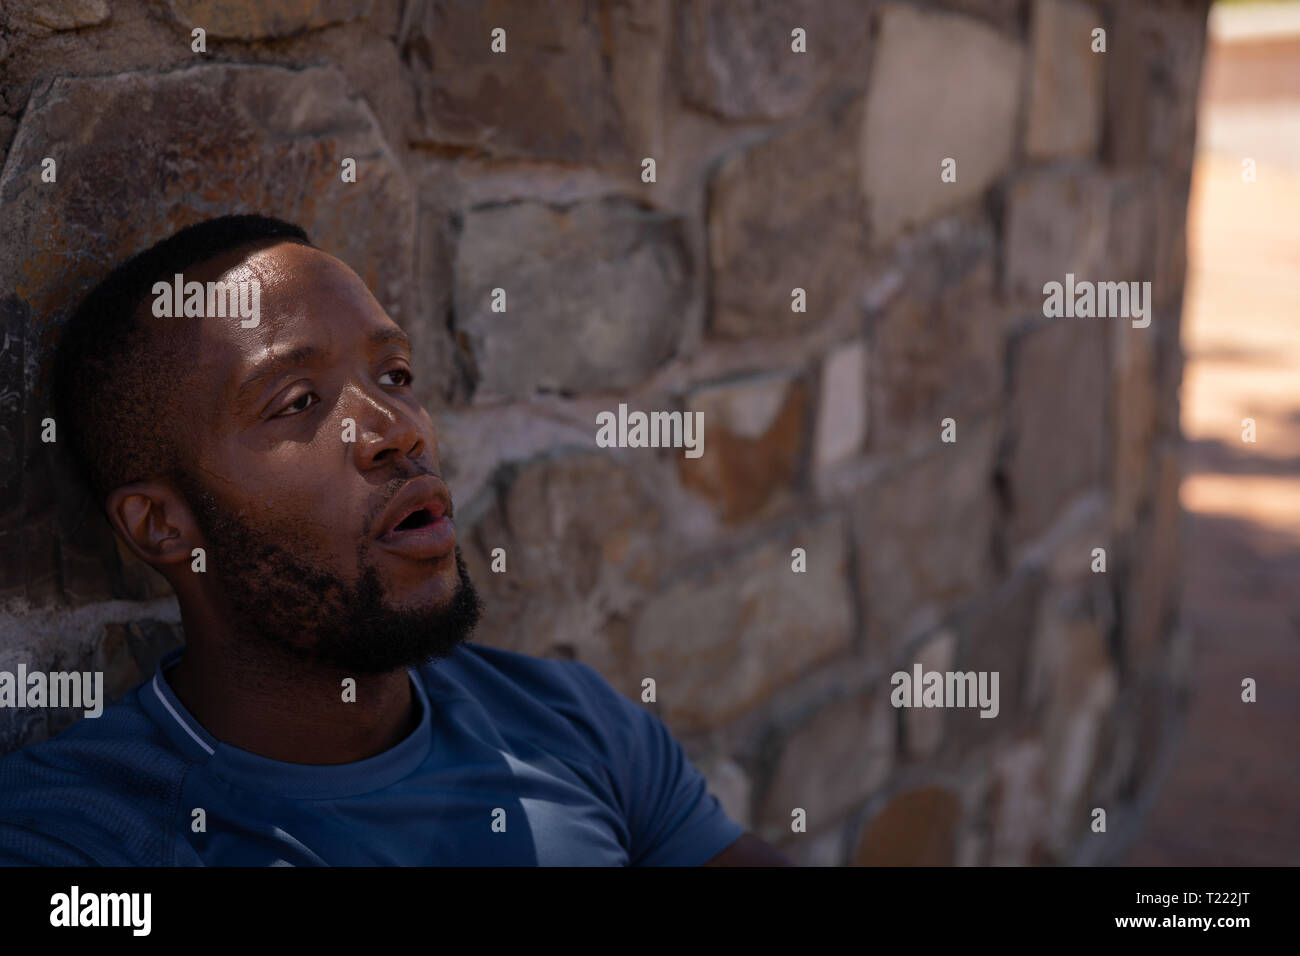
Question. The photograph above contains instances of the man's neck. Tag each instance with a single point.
(286, 710)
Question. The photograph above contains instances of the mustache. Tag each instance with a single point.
(394, 487)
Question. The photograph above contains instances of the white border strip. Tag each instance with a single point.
(172, 711)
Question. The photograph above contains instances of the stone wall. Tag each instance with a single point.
(774, 171)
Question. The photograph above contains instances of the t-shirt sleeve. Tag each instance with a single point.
(672, 818)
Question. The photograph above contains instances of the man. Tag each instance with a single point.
(270, 460)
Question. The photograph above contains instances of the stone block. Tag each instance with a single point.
(737, 62)
(997, 634)
(831, 763)
(1153, 73)
(942, 86)
(1133, 423)
(924, 534)
(580, 551)
(923, 727)
(263, 19)
(786, 214)
(548, 95)
(1018, 805)
(1151, 591)
(917, 827)
(842, 414)
(937, 353)
(721, 641)
(43, 17)
(1065, 92)
(594, 294)
(754, 438)
(1058, 420)
(1056, 222)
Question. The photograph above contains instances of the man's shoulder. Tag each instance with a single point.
(474, 663)
(97, 786)
(536, 692)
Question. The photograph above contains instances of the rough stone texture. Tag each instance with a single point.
(923, 726)
(720, 642)
(730, 784)
(815, 849)
(962, 105)
(786, 214)
(754, 436)
(1057, 222)
(916, 828)
(830, 764)
(1170, 266)
(937, 353)
(129, 653)
(998, 634)
(580, 549)
(30, 568)
(1004, 14)
(1153, 66)
(43, 16)
(548, 95)
(1156, 565)
(842, 407)
(54, 637)
(1065, 92)
(14, 421)
(1133, 421)
(593, 300)
(1058, 426)
(1019, 806)
(1084, 692)
(1132, 240)
(637, 38)
(264, 19)
(924, 534)
(737, 62)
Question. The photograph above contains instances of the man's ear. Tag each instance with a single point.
(154, 521)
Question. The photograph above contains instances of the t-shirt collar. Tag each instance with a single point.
(251, 771)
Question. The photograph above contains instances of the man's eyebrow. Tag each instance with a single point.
(305, 354)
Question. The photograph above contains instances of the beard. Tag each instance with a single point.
(287, 600)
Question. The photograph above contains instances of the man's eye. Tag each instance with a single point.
(409, 377)
(298, 406)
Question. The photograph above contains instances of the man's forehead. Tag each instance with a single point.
(284, 269)
(302, 292)
(306, 298)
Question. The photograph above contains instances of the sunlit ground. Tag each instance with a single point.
(1232, 796)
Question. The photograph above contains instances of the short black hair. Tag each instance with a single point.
(109, 367)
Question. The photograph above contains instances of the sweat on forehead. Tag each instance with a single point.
(285, 283)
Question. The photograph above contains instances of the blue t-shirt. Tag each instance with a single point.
(583, 775)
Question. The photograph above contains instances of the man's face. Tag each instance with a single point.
(310, 446)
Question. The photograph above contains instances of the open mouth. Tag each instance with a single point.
(422, 535)
(416, 519)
